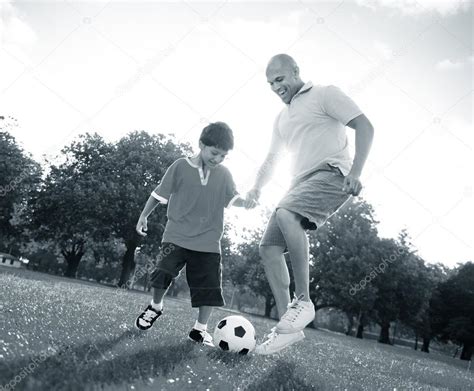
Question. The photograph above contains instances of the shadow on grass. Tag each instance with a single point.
(283, 376)
(90, 364)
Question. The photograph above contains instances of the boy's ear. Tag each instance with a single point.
(201, 145)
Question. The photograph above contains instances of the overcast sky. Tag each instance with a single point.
(114, 67)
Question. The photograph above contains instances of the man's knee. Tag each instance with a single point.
(285, 217)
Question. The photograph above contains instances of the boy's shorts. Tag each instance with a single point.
(315, 198)
(203, 273)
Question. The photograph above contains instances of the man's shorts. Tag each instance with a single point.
(203, 273)
(315, 198)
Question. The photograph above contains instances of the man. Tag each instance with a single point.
(312, 128)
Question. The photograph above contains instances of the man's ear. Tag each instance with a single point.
(201, 145)
(296, 71)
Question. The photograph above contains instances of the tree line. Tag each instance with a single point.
(84, 204)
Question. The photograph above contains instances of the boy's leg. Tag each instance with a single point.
(171, 261)
(203, 271)
(199, 332)
(158, 294)
(204, 314)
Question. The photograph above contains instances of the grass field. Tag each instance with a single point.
(61, 334)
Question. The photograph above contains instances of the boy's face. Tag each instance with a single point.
(212, 156)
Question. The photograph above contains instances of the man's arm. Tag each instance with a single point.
(363, 142)
(265, 171)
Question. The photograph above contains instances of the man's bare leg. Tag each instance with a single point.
(277, 275)
(298, 247)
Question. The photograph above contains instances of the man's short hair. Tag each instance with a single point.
(219, 135)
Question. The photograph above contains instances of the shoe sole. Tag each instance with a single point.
(292, 330)
(300, 338)
(202, 342)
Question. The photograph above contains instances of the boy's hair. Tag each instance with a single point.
(219, 135)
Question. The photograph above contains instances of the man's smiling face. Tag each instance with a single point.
(284, 80)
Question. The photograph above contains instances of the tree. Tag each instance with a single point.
(400, 288)
(452, 309)
(245, 269)
(342, 254)
(20, 177)
(429, 278)
(66, 209)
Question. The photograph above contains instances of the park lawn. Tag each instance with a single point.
(60, 334)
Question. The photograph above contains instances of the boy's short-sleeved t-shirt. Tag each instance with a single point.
(195, 204)
(312, 128)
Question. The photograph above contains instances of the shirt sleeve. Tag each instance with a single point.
(339, 106)
(231, 193)
(167, 185)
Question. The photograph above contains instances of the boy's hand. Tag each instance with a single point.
(251, 200)
(142, 226)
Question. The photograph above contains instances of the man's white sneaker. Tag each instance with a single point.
(277, 342)
(298, 315)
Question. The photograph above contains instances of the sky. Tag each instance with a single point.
(71, 67)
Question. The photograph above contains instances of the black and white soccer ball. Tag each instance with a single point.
(235, 334)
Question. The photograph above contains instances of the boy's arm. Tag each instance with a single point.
(240, 203)
(149, 206)
(142, 224)
(161, 195)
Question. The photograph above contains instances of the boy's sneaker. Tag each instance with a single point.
(201, 336)
(277, 342)
(299, 314)
(146, 319)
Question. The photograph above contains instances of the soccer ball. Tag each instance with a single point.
(235, 334)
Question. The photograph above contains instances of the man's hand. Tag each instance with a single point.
(352, 184)
(251, 200)
(142, 226)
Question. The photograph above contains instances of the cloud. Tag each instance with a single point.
(383, 49)
(14, 30)
(450, 65)
(418, 7)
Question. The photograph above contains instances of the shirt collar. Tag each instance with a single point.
(191, 163)
(306, 87)
(204, 179)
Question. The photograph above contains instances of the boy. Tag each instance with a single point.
(196, 190)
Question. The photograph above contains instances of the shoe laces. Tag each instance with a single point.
(294, 309)
(206, 337)
(149, 315)
(271, 337)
